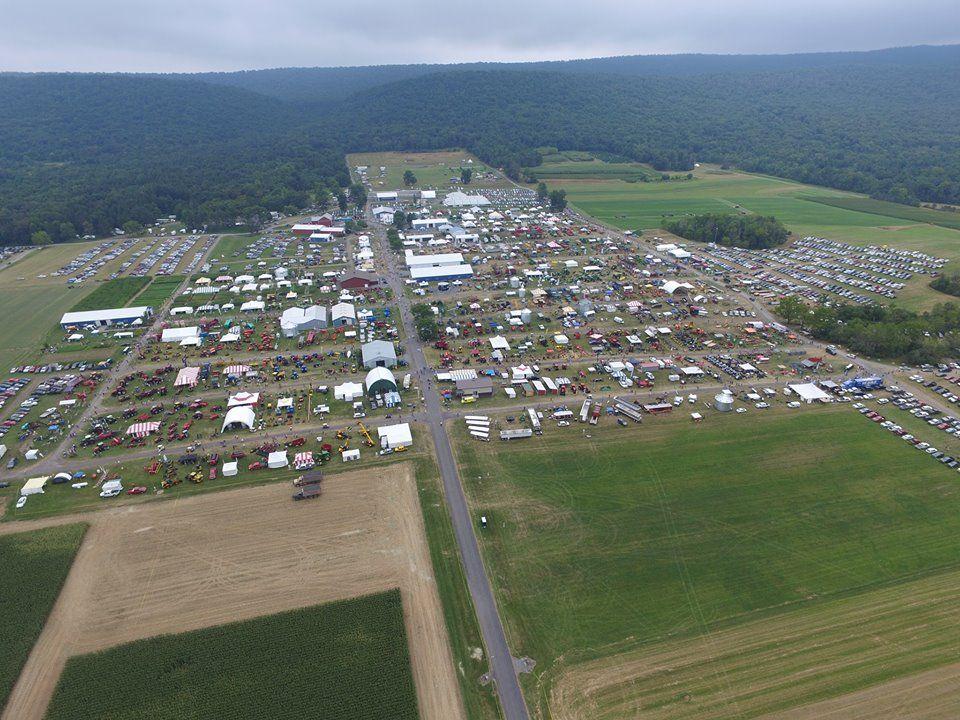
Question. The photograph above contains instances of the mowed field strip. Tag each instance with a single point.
(758, 667)
(188, 564)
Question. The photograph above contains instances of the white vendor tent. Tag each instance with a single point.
(229, 469)
(187, 376)
(393, 436)
(277, 459)
(33, 486)
(240, 415)
(808, 392)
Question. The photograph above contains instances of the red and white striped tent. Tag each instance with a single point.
(303, 460)
(236, 369)
(243, 398)
(187, 376)
(142, 429)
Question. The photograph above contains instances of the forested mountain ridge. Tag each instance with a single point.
(887, 133)
(84, 153)
(306, 84)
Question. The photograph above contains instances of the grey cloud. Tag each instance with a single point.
(192, 35)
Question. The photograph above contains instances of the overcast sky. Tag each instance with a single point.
(194, 35)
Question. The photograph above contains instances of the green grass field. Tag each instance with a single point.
(35, 565)
(674, 530)
(157, 292)
(432, 169)
(572, 165)
(345, 660)
(805, 209)
(113, 293)
(904, 212)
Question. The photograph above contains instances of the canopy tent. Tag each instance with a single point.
(236, 369)
(243, 398)
(229, 469)
(142, 429)
(187, 376)
(277, 459)
(379, 379)
(303, 461)
(809, 392)
(393, 436)
(33, 486)
(240, 415)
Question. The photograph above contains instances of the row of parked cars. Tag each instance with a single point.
(891, 426)
(80, 365)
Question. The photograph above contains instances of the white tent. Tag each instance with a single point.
(349, 455)
(229, 469)
(243, 398)
(393, 436)
(348, 392)
(33, 486)
(809, 392)
(242, 414)
(277, 459)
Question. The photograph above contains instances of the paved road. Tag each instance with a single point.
(498, 653)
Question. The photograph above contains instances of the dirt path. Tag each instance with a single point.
(171, 567)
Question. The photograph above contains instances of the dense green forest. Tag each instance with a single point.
(82, 153)
(879, 331)
(949, 284)
(754, 232)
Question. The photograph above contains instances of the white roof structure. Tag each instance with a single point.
(105, 316)
(243, 398)
(241, 414)
(460, 199)
(671, 286)
(438, 260)
(277, 459)
(428, 194)
(446, 271)
(348, 391)
(378, 351)
(296, 320)
(808, 392)
(230, 469)
(679, 253)
(379, 374)
(343, 310)
(179, 334)
(392, 436)
(252, 306)
(33, 486)
(498, 342)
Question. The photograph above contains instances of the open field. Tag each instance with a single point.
(35, 565)
(347, 659)
(113, 293)
(433, 169)
(571, 165)
(628, 540)
(805, 209)
(173, 567)
(819, 650)
(157, 292)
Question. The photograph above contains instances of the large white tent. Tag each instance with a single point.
(241, 415)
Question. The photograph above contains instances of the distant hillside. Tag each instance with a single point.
(311, 84)
(97, 150)
(85, 153)
(877, 130)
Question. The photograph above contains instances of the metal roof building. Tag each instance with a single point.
(102, 318)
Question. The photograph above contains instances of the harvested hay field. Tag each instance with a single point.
(163, 568)
(877, 640)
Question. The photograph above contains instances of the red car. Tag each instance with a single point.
(138, 490)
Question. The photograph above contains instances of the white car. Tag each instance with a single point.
(741, 410)
(21, 501)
